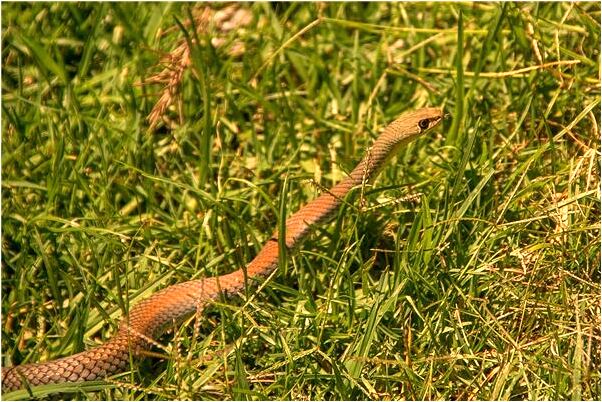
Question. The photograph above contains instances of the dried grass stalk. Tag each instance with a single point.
(176, 62)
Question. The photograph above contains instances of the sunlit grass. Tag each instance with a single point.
(471, 270)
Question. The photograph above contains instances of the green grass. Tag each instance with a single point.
(486, 285)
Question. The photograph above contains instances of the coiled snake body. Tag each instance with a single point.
(148, 319)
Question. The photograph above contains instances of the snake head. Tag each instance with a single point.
(430, 118)
(412, 124)
(422, 120)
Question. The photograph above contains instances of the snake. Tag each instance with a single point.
(148, 319)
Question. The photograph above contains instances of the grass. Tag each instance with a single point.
(470, 271)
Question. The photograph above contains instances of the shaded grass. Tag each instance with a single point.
(485, 286)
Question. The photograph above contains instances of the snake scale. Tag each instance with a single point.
(149, 318)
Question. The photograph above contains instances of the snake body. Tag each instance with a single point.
(148, 319)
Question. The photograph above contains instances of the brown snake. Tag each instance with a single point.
(149, 318)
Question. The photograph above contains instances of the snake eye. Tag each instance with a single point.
(424, 124)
